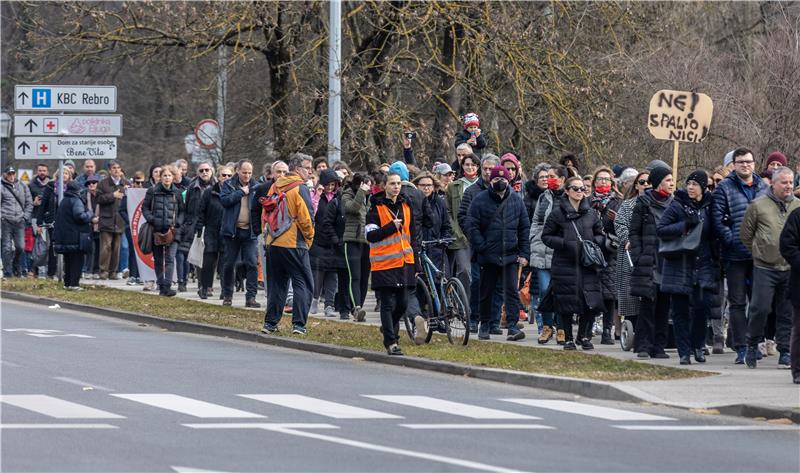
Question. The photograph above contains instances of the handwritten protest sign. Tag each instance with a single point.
(680, 116)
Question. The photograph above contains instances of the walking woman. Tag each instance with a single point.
(209, 222)
(74, 236)
(652, 323)
(390, 231)
(164, 210)
(605, 200)
(323, 250)
(576, 288)
(690, 274)
(440, 228)
(458, 253)
(628, 304)
(541, 254)
(355, 202)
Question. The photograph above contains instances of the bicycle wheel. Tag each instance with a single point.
(411, 331)
(457, 318)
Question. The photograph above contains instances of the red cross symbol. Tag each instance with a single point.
(43, 148)
(50, 125)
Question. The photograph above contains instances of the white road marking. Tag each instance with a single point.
(45, 333)
(187, 405)
(54, 407)
(10, 363)
(454, 408)
(58, 426)
(711, 428)
(78, 382)
(186, 469)
(284, 429)
(589, 410)
(476, 426)
(261, 425)
(320, 406)
(30, 330)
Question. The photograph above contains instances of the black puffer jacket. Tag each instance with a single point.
(164, 208)
(210, 219)
(322, 247)
(576, 288)
(498, 237)
(194, 198)
(606, 210)
(46, 211)
(647, 265)
(72, 221)
(333, 228)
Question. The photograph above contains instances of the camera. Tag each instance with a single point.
(411, 135)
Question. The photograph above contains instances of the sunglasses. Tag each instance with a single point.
(642, 182)
(204, 170)
(138, 182)
(576, 189)
(225, 175)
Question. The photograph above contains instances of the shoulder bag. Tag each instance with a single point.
(166, 238)
(591, 254)
(687, 243)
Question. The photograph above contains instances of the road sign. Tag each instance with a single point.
(53, 147)
(65, 98)
(68, 125)
(207, 133)
(25, 175)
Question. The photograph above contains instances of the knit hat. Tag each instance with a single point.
(657, 174)
(776, 156)
(327, 176)
(510, 157)
(499, 171)
(471, 119)
(728, 159)
(657, 163)
(400, 168)
(699, 176)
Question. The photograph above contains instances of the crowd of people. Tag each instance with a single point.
(677, 257)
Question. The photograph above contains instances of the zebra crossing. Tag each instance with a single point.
(270, 405)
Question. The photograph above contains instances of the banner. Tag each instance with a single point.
(144, 262)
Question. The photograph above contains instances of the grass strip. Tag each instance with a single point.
(493, 355)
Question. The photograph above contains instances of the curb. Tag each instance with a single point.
(586, 388)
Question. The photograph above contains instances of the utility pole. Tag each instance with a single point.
(334, 82)
(222, 92)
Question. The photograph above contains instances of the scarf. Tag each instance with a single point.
(599, 201)
(781, 203)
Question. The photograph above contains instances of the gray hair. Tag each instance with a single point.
(272, 167)
(628, 175)
(463, 147)
(490, 157)
(777, 172)
(296, 160)
(539, 168)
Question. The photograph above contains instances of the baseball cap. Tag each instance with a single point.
(442, 168)
(9, 169)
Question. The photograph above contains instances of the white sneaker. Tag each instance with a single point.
(771, 348)
(314, 306)
(330, 312)
(125, 273)
(420, 330)
(762, 347)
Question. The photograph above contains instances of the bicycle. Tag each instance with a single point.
(445, 307)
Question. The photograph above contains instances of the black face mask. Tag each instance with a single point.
(499, 186)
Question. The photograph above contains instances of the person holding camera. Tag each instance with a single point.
(163, 208)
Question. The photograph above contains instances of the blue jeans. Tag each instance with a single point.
(249, 247)
(182, 266)
(475, 297)
(543, 276)
(123, 254)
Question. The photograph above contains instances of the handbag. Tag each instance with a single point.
(685, 244)
(145, 238)
(591, 254)
(166, 238)
(197, 249)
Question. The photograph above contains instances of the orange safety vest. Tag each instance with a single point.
(395, 251)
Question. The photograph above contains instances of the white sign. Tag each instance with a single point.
(68, 125)
(65, 98)
(207, 133)
(53, 147)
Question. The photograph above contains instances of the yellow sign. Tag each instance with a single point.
(680, 116)
(25, 175)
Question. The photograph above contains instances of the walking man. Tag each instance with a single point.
(110, 192)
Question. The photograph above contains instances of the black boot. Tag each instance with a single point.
(203, 292)
(166, 290)
(699, 355)
(606, 337)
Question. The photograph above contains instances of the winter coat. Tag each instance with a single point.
(322, 249)
(194, 198)
(421, 213)
(72, 222)
(210, 219)
(643, 238)
(469, 194)
(46, 212)
(790, 250)
(16, 205)
(298, 200)
(541, 254)
(532, 192)
(355, 205)
(628, 305)
(231, 198)
(163, 208)
(110, 219)
(576, 288)
(440, 228)
(762, 224)
(453, 198)
(333, 228)
(730, 203)
(37, 188)
(607, 213)
(682, 272)
(480, 142)
(498, 237)
(404, 276)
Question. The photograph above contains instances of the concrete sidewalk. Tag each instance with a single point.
(734, 385)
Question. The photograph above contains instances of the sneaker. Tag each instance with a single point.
(561, 337)
(330, 311)
(269, 328)
(149, 286)
(344, 316)
(298, 330)
(359, 314)
(659, 355)
(495, 330)
(643, 355)
(314, 307)
(700, 355)
(546, 335)
(740, 352)
(570, 346)
(515, 334)
(251, 303)
(686, 360)
(131, 281)
(420, 330)
(484, 332)
(169, 292)
(771, 348)
(227, 301)
(125, 273)
(97, 276)
(750, 357)
(181, 287)
(586, 344)
(394, 350)
(473, 327)
(784, 361)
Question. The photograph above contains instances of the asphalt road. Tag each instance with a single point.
(87, 393)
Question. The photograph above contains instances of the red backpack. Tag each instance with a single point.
(275, 217)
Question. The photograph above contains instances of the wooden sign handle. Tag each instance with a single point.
(676, 144)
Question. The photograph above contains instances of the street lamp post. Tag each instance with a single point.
(5, 133)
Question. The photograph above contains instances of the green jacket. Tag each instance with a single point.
(453, 197)
(355, 205)
(761, 229)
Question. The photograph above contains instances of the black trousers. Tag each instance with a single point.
(289, 264)
(508, 276)
(343, 300)
(794, 344)
(652, 324)
(208, 269)
(73, 266)
(394, 301)
(358, 269)
(585, 323)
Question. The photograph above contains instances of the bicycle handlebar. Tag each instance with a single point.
(439, 242)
